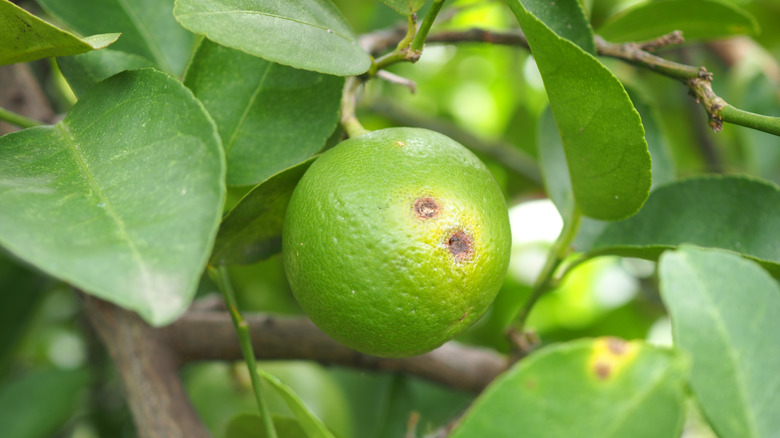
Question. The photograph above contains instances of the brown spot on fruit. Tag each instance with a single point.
(460, 245)
(426, 208)
(602, 370)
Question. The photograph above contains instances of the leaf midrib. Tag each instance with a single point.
(107, 206)
(739, 377)
(146, 35)
(249, 105)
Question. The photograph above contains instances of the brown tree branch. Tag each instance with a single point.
(149, 369)
(209, 335)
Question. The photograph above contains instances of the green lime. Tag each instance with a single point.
(396, 241)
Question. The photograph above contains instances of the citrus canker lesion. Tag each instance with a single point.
(394, 250)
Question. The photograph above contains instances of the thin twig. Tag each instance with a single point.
(697, 79)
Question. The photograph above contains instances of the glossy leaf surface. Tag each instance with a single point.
(305, 34)
(147, 27)
(697, 19)
(565, 18)
(733, 213)
(25, 37)
(269, 116)
(129, 188)
(252, 230)
(602, 134)
(604, 387)
(725, 312)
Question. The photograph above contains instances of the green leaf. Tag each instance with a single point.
(725, 312)
(405, 7)
(269, 116)
(252, 230)
(697, 19)
(84, 71)
(734, 213)
(38, 403)
(306, 418)
(20, 293)
(305, 34)
(587, 388)
(25, 37)
(147, 26)
(601, 131)
(251, 426)
(122, 198)
(565, 18)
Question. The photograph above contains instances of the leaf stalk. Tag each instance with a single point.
(221, 278)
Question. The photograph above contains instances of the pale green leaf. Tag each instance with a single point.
(606, 388)
(405, 7)
(725, 313)
(602, 134)
(122, 198)
(734, 213)
(25, 37)
(252, 230)
(697, 19)
(306, 418)
(147, 26)
(305, 34)
(269, 116)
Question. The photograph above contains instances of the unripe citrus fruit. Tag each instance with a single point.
(395, 241)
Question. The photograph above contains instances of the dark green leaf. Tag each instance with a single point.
(25, 37)
(37, 404)
(734, 213)
(252, 230)
(588, 388)
(269, 116)
(725, 312)
(405, 7)
(251, 426)
(122, 198)
(566, 18)
(305, 34)
(306, 418)
(697, 19)
(85, 70)
(147, 27)
(601, 131)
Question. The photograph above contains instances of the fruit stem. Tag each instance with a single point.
(349, 120)
(425, 27)
(222, 279)
(546, 280)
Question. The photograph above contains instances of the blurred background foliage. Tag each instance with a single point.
(56, 380)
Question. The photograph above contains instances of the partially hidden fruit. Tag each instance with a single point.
(396, 241)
